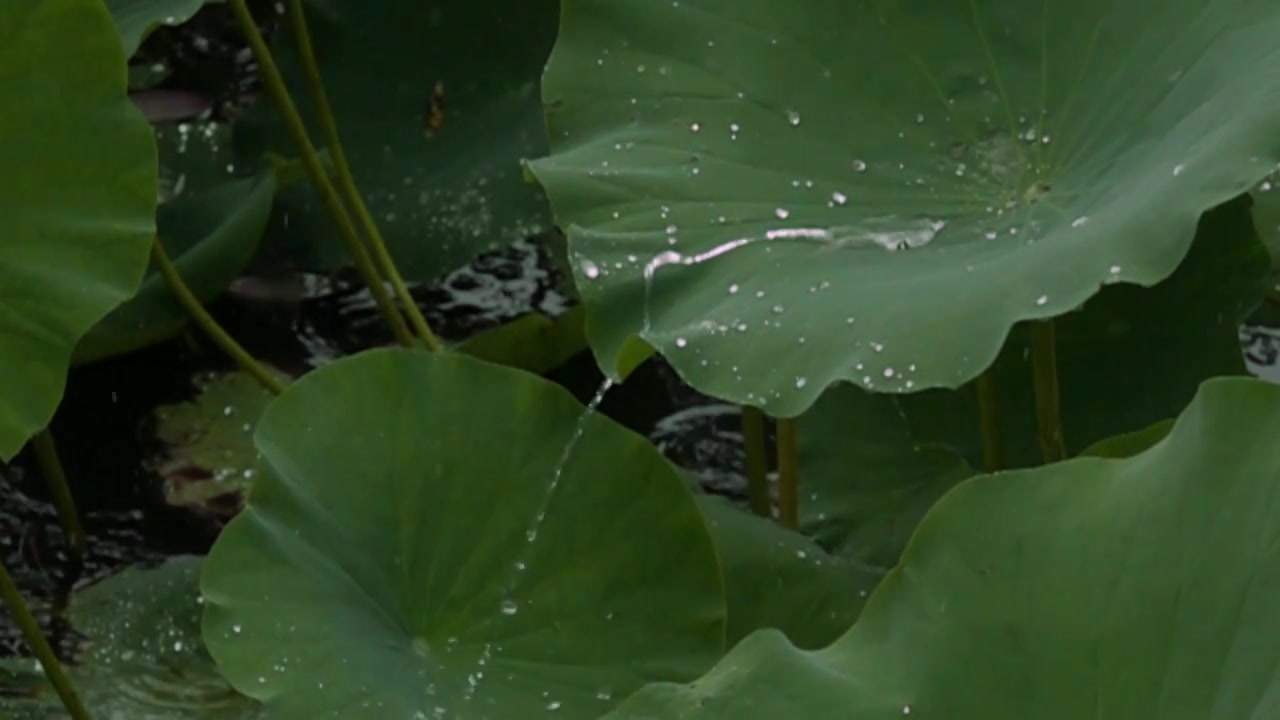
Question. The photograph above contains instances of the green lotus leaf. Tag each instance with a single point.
(143, 657)
(779, 196)
(776, 578)
(865, 481)
(436, 103)
(1140, 588)
(1129, 444)
(1130, 357)
(135, 19)
(78, 197)
(422, 552)
(532, 342)
(211, 237)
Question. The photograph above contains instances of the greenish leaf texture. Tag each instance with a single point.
(78, 197)
(424, 551)
(779, 196)
(211, 236)
(437, 103)
(1139, 588)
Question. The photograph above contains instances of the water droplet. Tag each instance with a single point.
(1042, 300)
(733, 289)
(859, 166)
(509, 607)
(839, 198)
(801, 382)
(1079, 221)
(1177, 169)
(590, 269)
(695, 127)
(782, 213)
(793, 117)
(888, 372)
(1115, 269)
(906, 709)
(681, 342)
(553, 705)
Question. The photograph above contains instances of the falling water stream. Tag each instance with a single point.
(509, 606)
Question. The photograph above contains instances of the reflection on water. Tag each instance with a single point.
(1261, 347)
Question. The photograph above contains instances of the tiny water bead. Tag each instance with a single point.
(1042, 300)
(793, 118)
(509, 607)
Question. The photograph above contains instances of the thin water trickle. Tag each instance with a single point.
(557, 472)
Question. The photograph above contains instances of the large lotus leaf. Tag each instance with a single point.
(1141, 588)
(437, 103)
(143, 657)
(782, 195)
(865, 481)
(78, 197)
(1129, 358)
(211, 237)
(135, 19)
(422, 552)
(776, 578)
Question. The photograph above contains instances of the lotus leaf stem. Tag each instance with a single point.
(989, 422)
(56, 478)
(753, 438)
(274, 82)
(210, 326)
(347, 182)
(1044, 369)
(40, 646)
(788, 475)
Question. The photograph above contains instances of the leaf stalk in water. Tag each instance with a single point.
(1044, 369)
(788, 475)
(753, 438)
(220, 337)
(989, 422)
(347, 182)
(56, 478)
(274, 83)
(40, 646)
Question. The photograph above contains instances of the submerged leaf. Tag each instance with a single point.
(208, 464)
(779, 196)
(77, 194)
(424, 551)
(143, 659)
(1140, 588)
